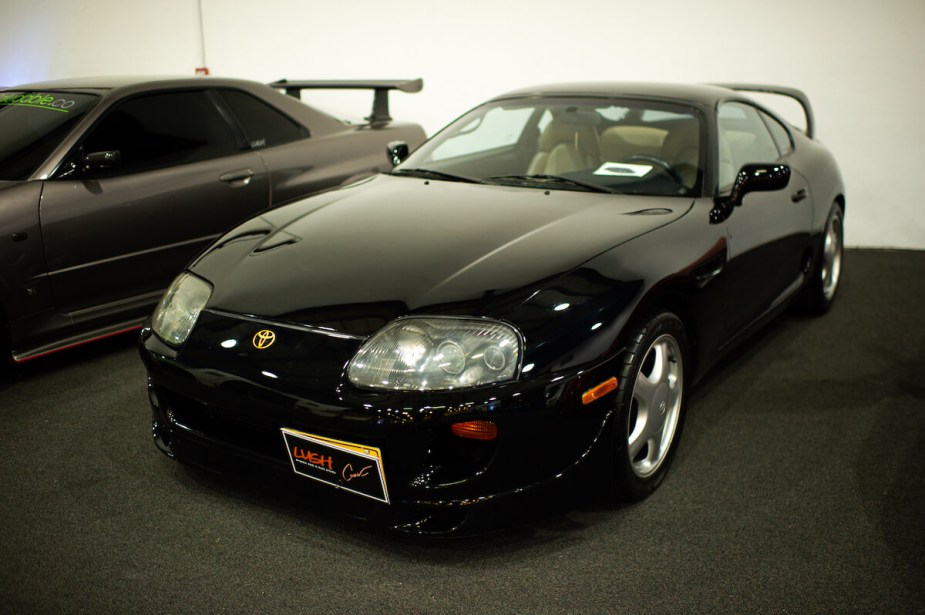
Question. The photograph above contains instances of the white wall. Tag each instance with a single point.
(861, 62)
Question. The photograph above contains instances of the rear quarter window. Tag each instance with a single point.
(264, 126)
(781, 135)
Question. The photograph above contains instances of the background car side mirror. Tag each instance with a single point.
(765, 177)
(101, 161)
(397, 151)
(79, 164)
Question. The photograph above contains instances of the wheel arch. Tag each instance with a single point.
(679, 304)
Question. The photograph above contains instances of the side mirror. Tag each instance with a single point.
(101, 161)
(751, 178)
(397, 151)
(79, 164)
(759, 178)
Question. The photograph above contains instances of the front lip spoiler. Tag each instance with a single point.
(430, 518)
(162, 436)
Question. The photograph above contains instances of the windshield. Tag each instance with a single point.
(32, 125)
(606, 145)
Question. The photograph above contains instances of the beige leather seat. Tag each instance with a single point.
(682, 151)
(564, 147)
(620, 142)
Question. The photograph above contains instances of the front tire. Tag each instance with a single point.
(650, 406)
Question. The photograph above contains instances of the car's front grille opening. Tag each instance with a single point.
(225, 427)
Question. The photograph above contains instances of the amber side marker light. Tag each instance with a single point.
(475, 430)
(599, 391)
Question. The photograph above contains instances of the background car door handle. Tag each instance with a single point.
(238, 178)
(799, 195)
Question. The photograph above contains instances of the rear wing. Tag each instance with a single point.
(793, 93)
(380, 88)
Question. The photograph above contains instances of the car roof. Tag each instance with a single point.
(706, 95)
(116, 87)
(135, 82)
(119, 86)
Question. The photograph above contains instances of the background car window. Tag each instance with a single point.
(263, 125)
(743, 138)
(32, 125)
(498, 127)
(780, 134)
(162, 130)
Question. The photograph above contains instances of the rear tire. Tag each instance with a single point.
(650, 406)
(826, 276)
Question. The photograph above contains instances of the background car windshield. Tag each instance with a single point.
(628, 146)
(32, 125)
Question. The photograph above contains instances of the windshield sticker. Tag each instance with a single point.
(37, 100)
(621, 169)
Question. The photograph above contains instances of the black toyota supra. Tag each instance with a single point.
(525, 300)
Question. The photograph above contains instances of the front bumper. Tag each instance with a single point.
(215, 408)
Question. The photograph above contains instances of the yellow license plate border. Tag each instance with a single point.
(371, 453)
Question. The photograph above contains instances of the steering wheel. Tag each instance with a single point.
(666, 166)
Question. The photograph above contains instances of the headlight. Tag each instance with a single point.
(179, 308)
(434, 353)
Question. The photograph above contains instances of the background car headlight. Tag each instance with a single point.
(434, 353)
(179, 308)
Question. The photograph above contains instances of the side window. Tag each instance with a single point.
(263, 125)
(497, 128)
(162, 130)
(743, 138)
(780, 134)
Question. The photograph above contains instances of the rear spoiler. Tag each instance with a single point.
(380, 98)
(793, 93)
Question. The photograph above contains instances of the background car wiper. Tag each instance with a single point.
(430, 173)
(552, 179)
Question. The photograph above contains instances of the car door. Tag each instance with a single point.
(768, 234)
(171, 175)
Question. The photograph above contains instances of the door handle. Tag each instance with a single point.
(799, 195)
(238, 178)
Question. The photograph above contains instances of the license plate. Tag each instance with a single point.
(352, 467)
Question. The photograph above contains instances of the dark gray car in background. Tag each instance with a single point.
(109, 186)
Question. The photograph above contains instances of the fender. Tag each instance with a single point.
(23, 290)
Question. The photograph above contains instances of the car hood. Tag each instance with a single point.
(355, 258)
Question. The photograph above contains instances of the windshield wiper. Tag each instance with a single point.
(552, 180)
(432, 174)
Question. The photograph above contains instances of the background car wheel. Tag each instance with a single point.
(650, 406)
(820, 294)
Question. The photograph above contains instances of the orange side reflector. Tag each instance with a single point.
(599, 391)
(475, 430)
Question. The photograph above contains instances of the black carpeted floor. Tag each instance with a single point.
(799, 488)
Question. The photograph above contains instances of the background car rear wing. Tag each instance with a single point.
(380, 88)
(793, 93)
